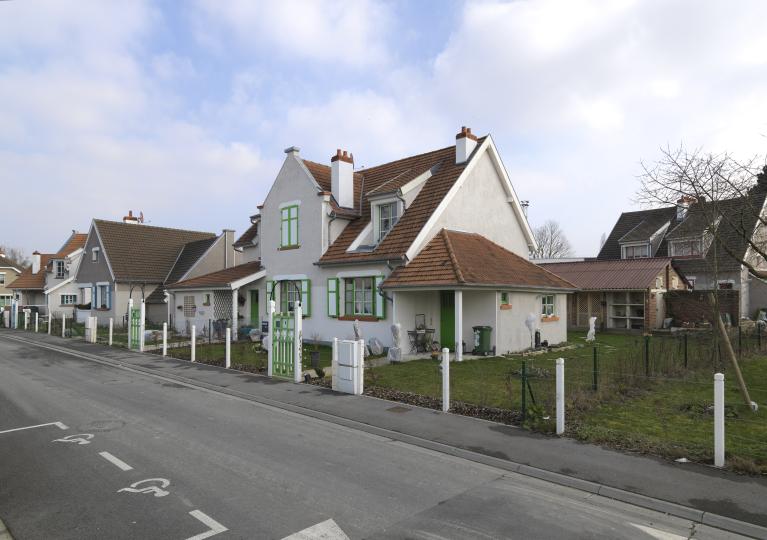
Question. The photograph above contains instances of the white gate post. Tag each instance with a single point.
(445, 379)
(560, 396)
(130, 315)
(142, 326)
(63, 325)
(360, 368)
(228, 358)
(298, 313)
(16, 314)
(334, 365)
(270, 350)
(719, 420)
(165, 339)
(50, 320)
(194, 342)
(458, 326)
(37, 317)
(111, 329)
(26, 319)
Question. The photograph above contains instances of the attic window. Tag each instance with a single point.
(636, 252)
(388, 215)
(686, 248)
(95, 254)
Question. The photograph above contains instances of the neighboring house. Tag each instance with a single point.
(48, 283)
(9, 271)
(624, 294)
(128, 259)
(330, 236)
(684, 234)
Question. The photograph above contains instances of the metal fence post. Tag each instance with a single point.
(524, 390)
(334, 365)
(595, 374)
(445, 379)
(228, 357)
(297, 342)
(719, 420)
(194, 344)
(560, 396)
(647, 356)
(685, 350)
(164, 339)
(270, 350)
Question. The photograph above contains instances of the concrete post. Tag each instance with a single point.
(234, 312)
(270, 350)
(361, 369)
(26, 320)
(130, 313)
(298, 313)
(228, 358)
(194, 343)
(719, 420)
(37, 325)
(445, 379)
(560, 396)
(165, 339)
(334, 365)
(111, 329)
(63, 325)
(50, 320)
(142, 326)
(16, 314)
(458, 326)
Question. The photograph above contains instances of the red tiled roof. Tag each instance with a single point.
(248, 236)
(75, 242)
(458, 259)
(620, 274)
(393, 175)
(30, 281)
(321, 174)
(221, 278)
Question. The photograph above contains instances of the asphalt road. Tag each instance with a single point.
(137, 456)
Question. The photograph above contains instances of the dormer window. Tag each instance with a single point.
(388, 215)
(690, 247)
(636, 251)
(60, 269)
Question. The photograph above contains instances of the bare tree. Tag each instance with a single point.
(728, 195)
(15, 255)
(552, 242)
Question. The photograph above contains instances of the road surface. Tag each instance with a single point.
(95, 451)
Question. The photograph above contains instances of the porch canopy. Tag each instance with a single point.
(229, 279)
(456, 261)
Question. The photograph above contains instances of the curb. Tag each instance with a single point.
(677, 510)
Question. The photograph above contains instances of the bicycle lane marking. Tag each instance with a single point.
(60, 425)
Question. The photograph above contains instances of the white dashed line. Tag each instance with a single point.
(214, 526)
(120, 464)
(58, 424)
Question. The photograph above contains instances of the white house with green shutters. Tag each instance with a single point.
(378, 245)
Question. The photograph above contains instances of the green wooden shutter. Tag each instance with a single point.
(306, 297)
(379, 298)
(333, 297)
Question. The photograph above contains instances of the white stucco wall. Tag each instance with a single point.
(513, 335)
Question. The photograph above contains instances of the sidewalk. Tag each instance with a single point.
(710, 491)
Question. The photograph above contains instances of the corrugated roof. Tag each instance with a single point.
(454, 258)
(221, 278)
(626, 274)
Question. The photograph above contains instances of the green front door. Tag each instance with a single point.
(447, 319)
(254, 308)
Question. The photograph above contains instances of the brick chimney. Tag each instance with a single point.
(35, 262)
(465, 143)
(342, 178)
(130, 218)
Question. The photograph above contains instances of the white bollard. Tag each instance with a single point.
(272, 335)
(560, 396)
(334, 365)
(50, 320)
(165, 339)
(26, 320)
(719, 420)
(361, 369)
(142, 326)
(228, 357)
(111, 328)
(297, 342)
(194, 343)
(63, 325)
(36, 321)
(445, 379)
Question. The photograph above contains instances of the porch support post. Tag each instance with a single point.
(234, 313)
(459, 326)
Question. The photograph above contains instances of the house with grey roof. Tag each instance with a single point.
(130, 260)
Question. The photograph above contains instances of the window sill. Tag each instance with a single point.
(361, 318)
(287, 248)
(505, 306)
(550, 318)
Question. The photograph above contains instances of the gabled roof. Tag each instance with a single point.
(220, 279)
(445, 172)
(144, 253)
(642, 221)
(460, 259)
(627, 274)
(75, 242)
(190, 254)
(31, 281)
(247, 237)
(321, 175)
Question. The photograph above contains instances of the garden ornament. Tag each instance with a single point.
(531, 323)
(592, 335)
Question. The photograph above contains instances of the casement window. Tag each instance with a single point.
(362, 297)
(504, 298)
(636, 252)
(68, 299)
(289, 292)
(388, 214)
(289, 226)
(547, 305)
(101, 296)
(5, 300)
(95, 254)
(190, 309)
(60, 269)
(686, 248)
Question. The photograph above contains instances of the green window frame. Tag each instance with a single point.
(547, 305)
(362, 297)
(292, 291)
(289, 226)
(504, 298)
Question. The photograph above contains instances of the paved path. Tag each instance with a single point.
(256, 470)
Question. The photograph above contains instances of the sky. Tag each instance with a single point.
(182, 110)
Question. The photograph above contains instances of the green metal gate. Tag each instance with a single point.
(283, 344)
(135, 327)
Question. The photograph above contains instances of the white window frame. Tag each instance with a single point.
(391, 219)
(62, 265)
(691, 241)
(95, 254)
(633, 247)
(548, 309)
(64, 297)
(101, 290)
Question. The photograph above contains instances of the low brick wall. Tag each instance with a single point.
(693, 306)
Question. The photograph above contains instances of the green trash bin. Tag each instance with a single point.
(482, 340)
